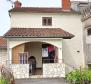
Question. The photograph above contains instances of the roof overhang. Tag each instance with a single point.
(38, 33)
(43, 10)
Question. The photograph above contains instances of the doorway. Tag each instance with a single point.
(32, 65)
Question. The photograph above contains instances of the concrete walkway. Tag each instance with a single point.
(41, 81)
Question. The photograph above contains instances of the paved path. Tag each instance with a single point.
(41, 81)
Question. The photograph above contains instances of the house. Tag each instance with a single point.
(78, 5)
(44, 42)
(86, 20)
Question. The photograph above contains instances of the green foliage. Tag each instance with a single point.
(79, 75)
(86, 74)
(3, 80)
(74, 76)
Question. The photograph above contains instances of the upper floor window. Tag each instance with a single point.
(47, 21)
(89, 31)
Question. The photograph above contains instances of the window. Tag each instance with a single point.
(47, 21)
(89, 31)
(23, 57)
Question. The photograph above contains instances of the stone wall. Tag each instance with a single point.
(53, 70)
(50, 70)
(20, 70)
(3, 56)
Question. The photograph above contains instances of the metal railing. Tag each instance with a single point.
(61, 61)
(28, 62)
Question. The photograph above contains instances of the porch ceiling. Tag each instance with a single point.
(38, 33)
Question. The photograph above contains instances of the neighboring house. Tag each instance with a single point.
(42, 41)
(3, 50)
(86, 19)
(78, 5)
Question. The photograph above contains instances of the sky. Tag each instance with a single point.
(5, 5)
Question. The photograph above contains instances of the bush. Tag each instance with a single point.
(79, 76)
(3, 80)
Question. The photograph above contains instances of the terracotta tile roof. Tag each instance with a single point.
(38, 33)
(41, 10)
(3, 42)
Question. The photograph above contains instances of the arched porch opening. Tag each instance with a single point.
(43, 52)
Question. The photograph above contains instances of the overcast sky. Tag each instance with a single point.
(5, 6)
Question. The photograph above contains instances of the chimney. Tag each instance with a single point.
(66, 5)
(17, 4)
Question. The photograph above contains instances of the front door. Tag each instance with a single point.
(32, 65)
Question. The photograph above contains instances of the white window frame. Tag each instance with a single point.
(23, 58)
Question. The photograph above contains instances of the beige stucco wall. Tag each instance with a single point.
(69, 22)
(3, 56)
(12, 42)
(35, 49)
(34, 20)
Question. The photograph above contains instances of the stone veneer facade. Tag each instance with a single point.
(53, 70)
(3, 56)
(50, 70)
(20, 70)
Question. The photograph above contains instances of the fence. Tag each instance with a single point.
(7, 74)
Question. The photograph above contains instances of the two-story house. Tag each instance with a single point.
(44, 41)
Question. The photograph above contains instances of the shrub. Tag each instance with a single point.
(79, 76)
(87, 74)
(3, 80)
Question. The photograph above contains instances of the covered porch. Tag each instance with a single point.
(41, 58)
(36, 52)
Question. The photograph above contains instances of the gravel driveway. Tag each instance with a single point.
(41, 81)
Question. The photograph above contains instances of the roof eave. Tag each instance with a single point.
(61, 11)
(69, 37)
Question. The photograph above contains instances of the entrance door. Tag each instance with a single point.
(32, 65)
